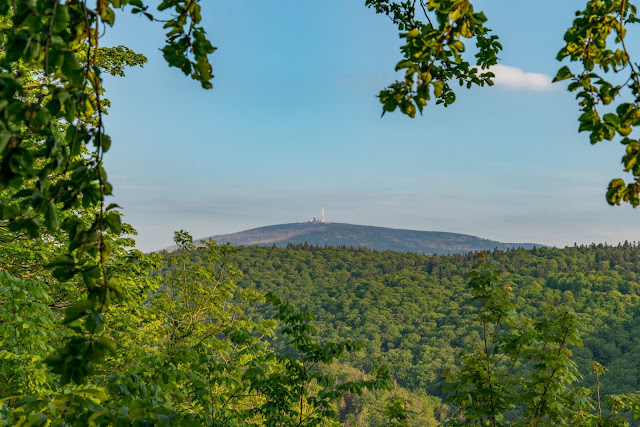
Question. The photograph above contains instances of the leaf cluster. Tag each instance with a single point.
(435, 34)
(606, 83)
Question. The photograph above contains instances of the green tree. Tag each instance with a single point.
(191, 352)
(522, 372)
(53, 141)
(489, 383)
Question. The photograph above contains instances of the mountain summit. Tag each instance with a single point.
(379, 238)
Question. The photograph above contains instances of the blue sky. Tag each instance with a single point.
(293, 125)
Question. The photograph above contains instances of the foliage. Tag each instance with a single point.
(191, 353)
(414, 311)
(194, 347)
(26, 327)
(602, 73)
(399, 413)
(596, 42)
(434, 54)
(490, 389)
(488, 384)
(52, 142)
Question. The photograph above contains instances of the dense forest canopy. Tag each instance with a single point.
(91, 336)
(416, 312)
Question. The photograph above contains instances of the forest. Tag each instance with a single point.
(96, 333)
(416, 313)
(365, 337)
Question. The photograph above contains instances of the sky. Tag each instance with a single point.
(293, 125)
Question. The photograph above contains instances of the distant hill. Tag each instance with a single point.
(379, 238)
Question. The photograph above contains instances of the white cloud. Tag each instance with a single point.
(516, 78)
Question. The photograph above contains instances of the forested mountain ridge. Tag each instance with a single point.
(352, 235)
(415, 312)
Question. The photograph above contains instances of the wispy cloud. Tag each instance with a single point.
(516, 78)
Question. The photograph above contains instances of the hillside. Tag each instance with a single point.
(377, 238)
(415, 312)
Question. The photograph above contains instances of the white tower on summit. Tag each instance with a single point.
(322, 217)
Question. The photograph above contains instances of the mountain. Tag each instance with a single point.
(379, 238)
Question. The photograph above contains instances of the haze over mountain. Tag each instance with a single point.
(379, 238)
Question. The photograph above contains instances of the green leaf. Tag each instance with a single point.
(563, 74)
(5, 137)
(438, 86)
(113, 222)
(612, 119)
(107, 343)
(114, 285)
(51, 216)
(72, 69)
(37, 418)
(77, 310)
(61, 260)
